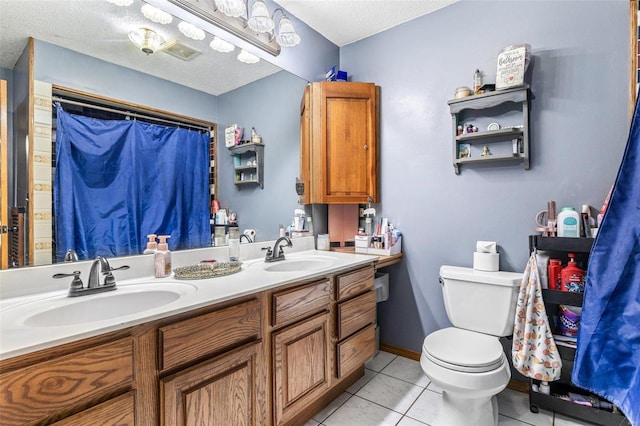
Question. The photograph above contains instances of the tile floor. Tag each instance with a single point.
(394, 391)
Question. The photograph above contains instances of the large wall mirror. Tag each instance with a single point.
(86, 48)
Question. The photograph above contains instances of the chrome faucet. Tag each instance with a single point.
(99, 266)
(271, 255)
(248, 238)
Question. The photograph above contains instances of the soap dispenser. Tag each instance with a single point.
(152, 245)
(162, 258)
(572, 276)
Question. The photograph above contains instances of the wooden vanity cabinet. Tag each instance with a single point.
(300, 339)
(339, 143)
(355, 320)
(271, 358)
(218, 368)
(79, 383)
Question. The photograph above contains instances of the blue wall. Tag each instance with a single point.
(272, 106)
(67, 68)
(579, 126)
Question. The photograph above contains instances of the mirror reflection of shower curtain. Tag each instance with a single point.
(118, 180)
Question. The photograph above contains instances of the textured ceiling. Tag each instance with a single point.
(346, 21)
(98, 28)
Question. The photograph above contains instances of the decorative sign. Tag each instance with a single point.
(230, 135)
(511, 67)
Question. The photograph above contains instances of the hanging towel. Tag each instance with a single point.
(608, 353)
(534, 351)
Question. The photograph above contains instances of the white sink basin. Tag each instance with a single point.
(126, 300)
(297, 264)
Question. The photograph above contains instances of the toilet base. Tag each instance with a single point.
(457, 410)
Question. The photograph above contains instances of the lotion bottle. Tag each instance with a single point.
(568, 223)
(162, 258)
(152, 245)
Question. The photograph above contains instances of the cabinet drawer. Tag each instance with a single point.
(62, 383)
(356, 313)
(354, 283)
(356, 350)
(300, 302)
(191, 339)
(116, 411)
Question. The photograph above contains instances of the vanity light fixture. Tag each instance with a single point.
(146, 40)
(221, 45)
(121, 2)
(247, 57)
(256, 27)
(156, 15)
(191, 31)
(259, 20)
(233, 8)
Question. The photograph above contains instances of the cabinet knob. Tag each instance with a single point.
(366, 147)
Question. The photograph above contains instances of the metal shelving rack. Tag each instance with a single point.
(558, 247)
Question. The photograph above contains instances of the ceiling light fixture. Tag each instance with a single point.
(247, 57)
(156, 15)
(146, 40)
(121, 2)
(256, 27)
(191, 31)
(221, 45)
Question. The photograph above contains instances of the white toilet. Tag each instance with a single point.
(467, 361)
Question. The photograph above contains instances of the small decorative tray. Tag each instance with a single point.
(207, 270)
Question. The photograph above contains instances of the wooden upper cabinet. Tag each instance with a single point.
(339, 143)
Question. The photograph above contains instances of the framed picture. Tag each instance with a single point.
(464, 150)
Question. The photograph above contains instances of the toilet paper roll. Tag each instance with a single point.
(486, 247)
(486, 261)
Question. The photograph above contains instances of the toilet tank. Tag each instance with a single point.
(480, 301)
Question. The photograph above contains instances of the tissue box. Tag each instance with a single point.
(397, 248)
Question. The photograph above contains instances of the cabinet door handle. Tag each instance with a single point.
(366, 147)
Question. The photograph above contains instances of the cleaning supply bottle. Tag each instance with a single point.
(555, 274)
(572, 276)
(152, 245)
(568, 223)
(162, 258)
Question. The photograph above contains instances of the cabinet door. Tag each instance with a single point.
(344, 142)
(115, 412)
(301, 366)
(227, 390)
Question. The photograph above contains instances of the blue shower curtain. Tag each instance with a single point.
(118, 180)
(608, 354)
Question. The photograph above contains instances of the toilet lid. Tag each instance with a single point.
(463, 350)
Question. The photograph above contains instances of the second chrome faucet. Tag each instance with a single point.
(277, 253)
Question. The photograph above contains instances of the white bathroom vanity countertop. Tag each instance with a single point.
(17, 306)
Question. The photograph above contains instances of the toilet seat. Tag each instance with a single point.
(463, 350)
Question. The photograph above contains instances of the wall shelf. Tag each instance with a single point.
(245, 174)
(488, 105)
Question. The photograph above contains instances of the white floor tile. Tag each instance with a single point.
(360, 412)
(426, 408)
(368, 375)
(508, 421)
(333, 406)
(515, 404)
(561, 420)
(311, 423)
(408, 370)
(380, 361)
(390, 392)
(408, 421)
(432, 387)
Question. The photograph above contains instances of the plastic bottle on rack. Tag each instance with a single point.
(568, 223)
(572, 276)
